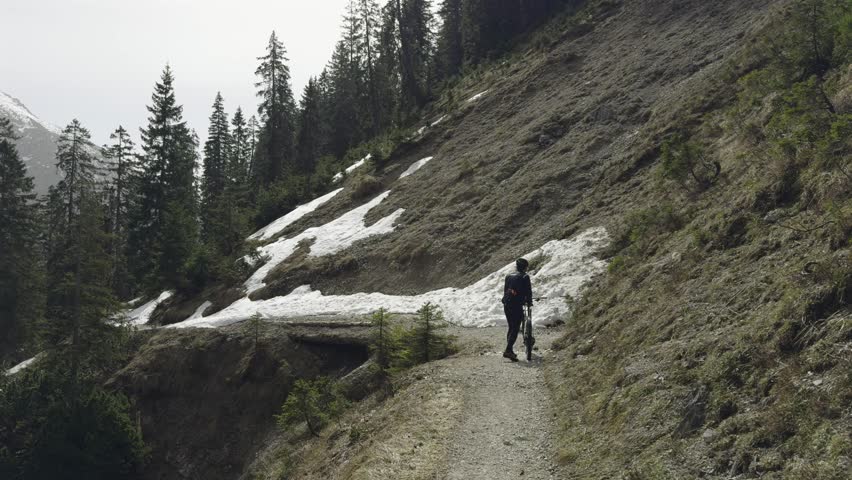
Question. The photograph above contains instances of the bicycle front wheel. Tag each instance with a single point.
(529, 341)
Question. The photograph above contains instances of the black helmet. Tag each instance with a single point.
(522, 264)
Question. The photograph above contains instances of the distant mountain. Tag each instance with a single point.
(37, 144)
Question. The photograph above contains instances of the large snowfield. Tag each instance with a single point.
(275, 227)
(327, 239)
(562, 268)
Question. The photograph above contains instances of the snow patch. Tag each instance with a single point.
(142, 314)
(327, 239)
(21, 366)
(199, 312)
(273, 228)
(438, 121)
(477, 96)
(353, 167)
(564, 266)
(415, 166)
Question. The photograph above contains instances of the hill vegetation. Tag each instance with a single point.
(711, 138)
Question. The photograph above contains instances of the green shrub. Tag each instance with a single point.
(365, 186)
(640, 228)
(48, 432)
(426, 341)
(686, 163)
(617, 264)
(315, 402)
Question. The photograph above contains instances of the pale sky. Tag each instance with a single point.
(98, 60)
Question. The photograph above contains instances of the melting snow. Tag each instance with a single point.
(199, 312)
(17, 368)
(273, 228)
(142, 314)
(477, 96)
(327, 239)
(565, 266)
(415, 166)
(436, 122)
(353, 167)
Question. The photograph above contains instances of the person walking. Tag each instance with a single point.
(517, 293)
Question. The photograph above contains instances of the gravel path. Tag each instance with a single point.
(507, 425)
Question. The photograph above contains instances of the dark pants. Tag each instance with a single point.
(515, 316)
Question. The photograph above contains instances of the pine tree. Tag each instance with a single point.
(450, 54)
(369, 16)
(75, 160)
(80, 299)
(122, 190)
(241, 149)
(253, 129)
(234, 209)
(217, 154)
(414, 20)
(277, 113)
(312, 130)
(426, 341)
(164, 227)
(20, 267)
(474, 30)
(346, 86)
(388, 67)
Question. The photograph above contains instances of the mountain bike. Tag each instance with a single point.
(527, 331)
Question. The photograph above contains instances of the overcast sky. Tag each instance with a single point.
(98, 60)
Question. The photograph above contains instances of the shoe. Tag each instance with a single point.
(510, 355)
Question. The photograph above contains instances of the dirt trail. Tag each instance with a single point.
(507, 426)
(473, 416)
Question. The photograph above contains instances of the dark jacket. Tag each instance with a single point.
(517, 289)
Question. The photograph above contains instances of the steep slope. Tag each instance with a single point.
(37, 144)
(539, 148)
(717, 343)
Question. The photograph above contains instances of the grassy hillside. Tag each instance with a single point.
(719, 342)
(716, 152)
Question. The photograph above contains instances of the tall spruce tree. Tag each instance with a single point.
(346, 86)
(450, 54)
(241, 149)
(124, 169)
(80, 301)
(217, 154)
(414, 21)
(277, 111)
(253, 129)
(369, 16)
(75, 160)
(20, 266)
(312, 129)
(164, 224)
(388, 68)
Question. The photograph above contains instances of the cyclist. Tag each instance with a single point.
(517, 293)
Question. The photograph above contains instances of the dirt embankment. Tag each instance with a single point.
(207, 397)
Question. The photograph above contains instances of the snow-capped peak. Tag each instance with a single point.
(21, 116)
